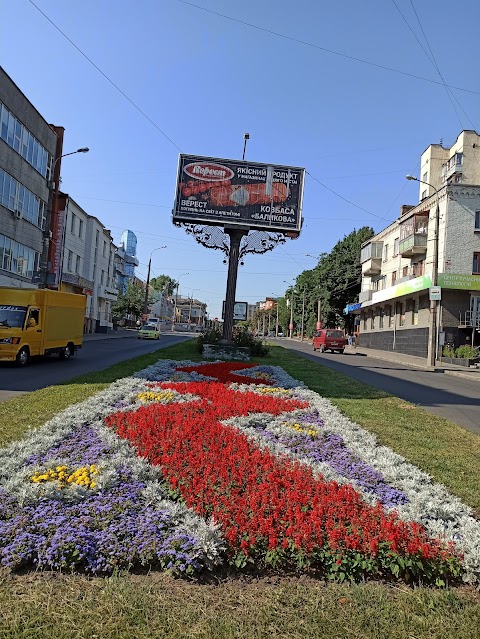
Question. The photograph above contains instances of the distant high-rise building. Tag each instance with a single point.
(126, 259)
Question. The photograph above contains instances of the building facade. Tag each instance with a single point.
(127, 260)
(435, 243)
(88, 265)
(28, 147)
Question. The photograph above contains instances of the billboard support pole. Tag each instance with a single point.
(233, 258)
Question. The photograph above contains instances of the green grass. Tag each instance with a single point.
(37, 605)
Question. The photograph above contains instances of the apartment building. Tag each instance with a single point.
(435, 243)
(88, 268)
(28, 148)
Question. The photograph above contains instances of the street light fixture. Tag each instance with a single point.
(176, 298)
(290, 327)
(145, 303)
(432, 338)
(54, 211)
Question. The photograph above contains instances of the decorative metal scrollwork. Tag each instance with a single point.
(215, 237)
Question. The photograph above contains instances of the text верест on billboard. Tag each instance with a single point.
(219, 191)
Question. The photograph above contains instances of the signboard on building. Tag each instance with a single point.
(458, 281)
(238, 193)
(404, 288)
(239, 311)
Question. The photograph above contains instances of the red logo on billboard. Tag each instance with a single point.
(208, 171)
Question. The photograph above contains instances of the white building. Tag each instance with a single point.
(88, 265)
(402, 262)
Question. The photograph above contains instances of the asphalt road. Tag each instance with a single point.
(454, 398)
(94, 355)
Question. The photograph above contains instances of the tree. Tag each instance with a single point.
(130, 303)
(163, 283)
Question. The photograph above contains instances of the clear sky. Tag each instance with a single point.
(282, 71)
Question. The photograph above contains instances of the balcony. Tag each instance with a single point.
(371, 258)
(365, 296)
(372, 266)
(415, 244)
(107, 293)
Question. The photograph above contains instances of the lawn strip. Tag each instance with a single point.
(156, 605)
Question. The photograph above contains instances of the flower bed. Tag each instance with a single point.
(188, 466)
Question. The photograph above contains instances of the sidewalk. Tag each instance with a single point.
(417, 362)
(120, 333)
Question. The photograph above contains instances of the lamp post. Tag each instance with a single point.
(56, 183)
(432, 337)
(303, 311)
(290, 327)
(145, 303)
(190, 309)
(176, 298)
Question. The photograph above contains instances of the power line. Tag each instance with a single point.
(134, 104)
(324, 49)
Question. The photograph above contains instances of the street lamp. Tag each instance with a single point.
(290, 328)
(176, 298)
(432, 340)
(190, 310)
(145, 303)
(54, 211)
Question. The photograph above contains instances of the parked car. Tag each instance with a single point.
(280, 334)
(148, 332)
(329, 339)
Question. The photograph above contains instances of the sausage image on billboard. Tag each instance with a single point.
(217, 191)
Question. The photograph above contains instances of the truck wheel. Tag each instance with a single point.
(314, 348)
(341, 351)
(66, 352)
(23, 357)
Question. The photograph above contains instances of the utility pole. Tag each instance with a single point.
(276, 323)
(319, 314)
(291, 315)
(303, 311)
(432, 330)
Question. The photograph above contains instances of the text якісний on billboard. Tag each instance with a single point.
(260, 196)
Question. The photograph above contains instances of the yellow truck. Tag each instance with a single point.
(39, 322)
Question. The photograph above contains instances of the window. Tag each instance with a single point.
(459, 159)
(385, 253)
(415, 306)
(80, 229)
(364, 321)
(417, 268)
(394, 277)
(17, 258)
(396, 243)
(388, 311)
(476, 264)
(17, 136)
(69, 261)
(372, 320)
(77, 265)
(102, 277)
(401, 313)
(425, 177)
(72, 223)
(20, 200)
(405, 271)
(477, 220)
(424, 194)
(382, 315)
(104, 249)
(96, 238)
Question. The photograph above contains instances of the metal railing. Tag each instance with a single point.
(469, 319)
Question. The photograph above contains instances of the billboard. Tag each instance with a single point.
(222, 192)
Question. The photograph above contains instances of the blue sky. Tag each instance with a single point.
(202, 80)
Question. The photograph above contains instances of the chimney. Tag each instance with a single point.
(405, 208)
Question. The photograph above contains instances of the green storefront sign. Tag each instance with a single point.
(460, 282)
(404, 288)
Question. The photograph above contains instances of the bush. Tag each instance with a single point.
(241, 337)
(466, 352)
(448, 351)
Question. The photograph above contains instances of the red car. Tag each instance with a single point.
(329, 339)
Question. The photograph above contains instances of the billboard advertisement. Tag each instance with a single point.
(222, 192)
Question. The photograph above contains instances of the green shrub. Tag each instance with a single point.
(241, 337)
(466, 352)
(448, 351)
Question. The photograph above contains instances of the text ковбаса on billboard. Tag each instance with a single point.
(237, 193)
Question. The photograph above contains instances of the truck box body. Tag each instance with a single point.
(39, 321)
